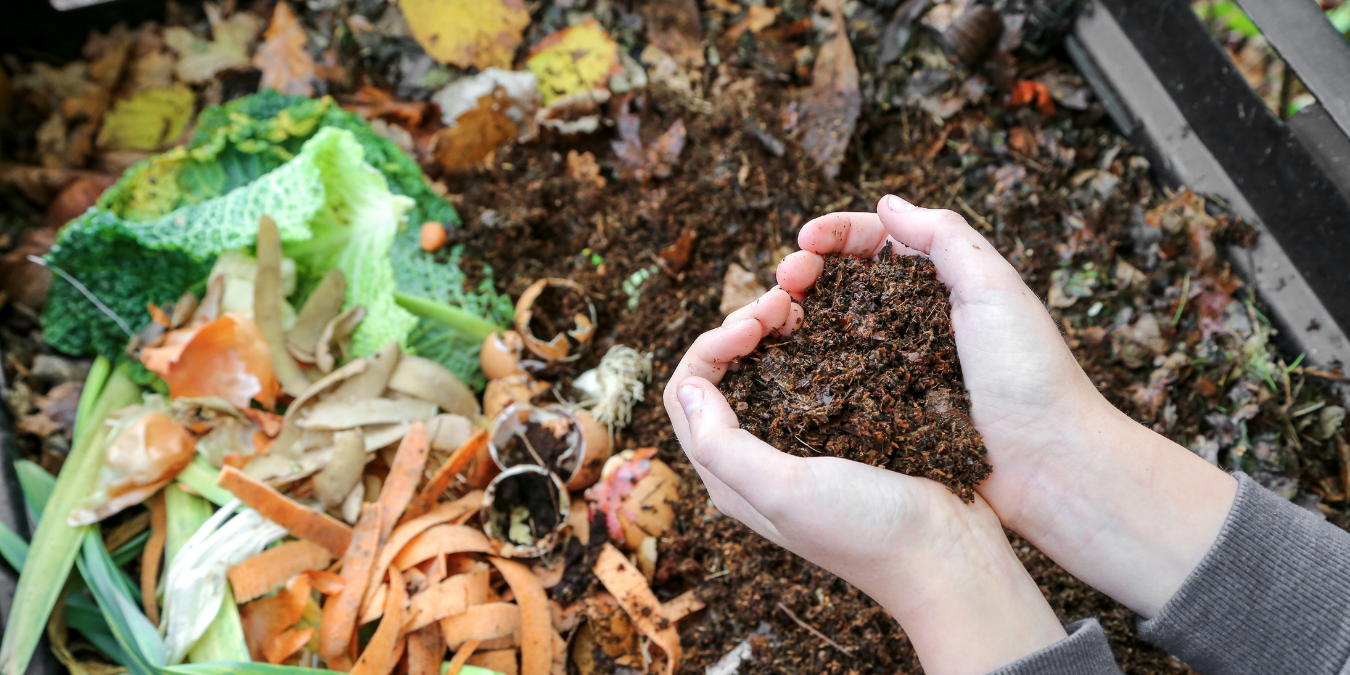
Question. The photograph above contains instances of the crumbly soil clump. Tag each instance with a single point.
(872, 375)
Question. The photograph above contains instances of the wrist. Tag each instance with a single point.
(1123, 508)
(967, 604)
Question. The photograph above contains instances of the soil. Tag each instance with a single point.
(544, 440)
(872, 375)
(704, 218)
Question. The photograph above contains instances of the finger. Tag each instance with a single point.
(731, 454)
(857, 234)
(707, 358)
(799, 271)
(961, 255)
(794, 321)
(770, 310)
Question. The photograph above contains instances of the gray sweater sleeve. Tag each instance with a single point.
(1272, 595)
(1084, 652)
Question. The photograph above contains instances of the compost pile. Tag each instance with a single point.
(497, 235)
(872, 375)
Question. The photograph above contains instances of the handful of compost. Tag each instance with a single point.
(871, 375)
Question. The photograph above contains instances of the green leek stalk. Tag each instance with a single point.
(56, 544)
(447, 315)
(224, 638)
(201, 477)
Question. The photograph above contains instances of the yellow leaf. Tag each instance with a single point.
(147, 120)
(285, 65)
(463, 33)
(574, 60)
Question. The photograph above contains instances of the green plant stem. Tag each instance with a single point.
(224, 638)
(447, 315)
(55, 543)
(201, 477)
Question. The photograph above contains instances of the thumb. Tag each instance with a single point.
(751, 468)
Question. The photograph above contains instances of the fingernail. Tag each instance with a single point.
(897, 205)
(691, 399)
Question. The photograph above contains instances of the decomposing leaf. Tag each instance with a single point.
(464, 33)
(644, 163)
(757, 18)
(285, 65)
(147, 120)
(739, 288)
(476, 133)
(574, 60)
(200, 60)
(676, 29)
(830, 109)
(583, 169)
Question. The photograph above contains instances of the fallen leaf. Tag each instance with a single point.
(373, 103)
(757, 18)
(522, 97)
(574, 60)
(674, 27)
(147, 120)
(739, 288)
(581, 167)
(200, 60)
(464, 33)
(831, 106)
(653, 161)
(476, 134)
(285, 65)
(1025, 92)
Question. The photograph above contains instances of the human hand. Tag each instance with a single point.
(1117, 505)
(944, 569)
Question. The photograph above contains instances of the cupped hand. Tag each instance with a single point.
(1024, 383)
(1119, 506)
(941, 567)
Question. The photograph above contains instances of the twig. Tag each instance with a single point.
(717, 575)
(971, 212)
(1322, 374)
(844, 650)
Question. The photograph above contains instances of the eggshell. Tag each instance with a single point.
(500, 355)
(504, 391)
(555, 347)
(597, 448)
